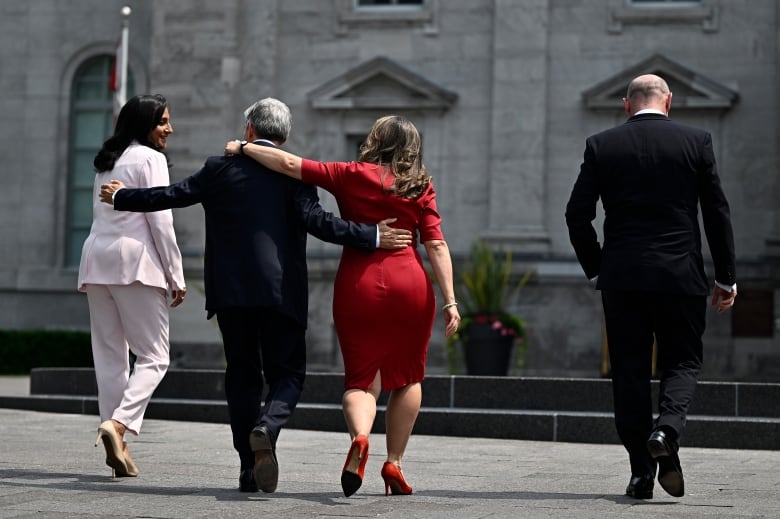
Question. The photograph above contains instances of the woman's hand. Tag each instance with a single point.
(452, 320)
(178, 296)
(233, 148)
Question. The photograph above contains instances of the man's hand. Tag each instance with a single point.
(178, 296)
(391, 238)
(107, 191)
(723, 299)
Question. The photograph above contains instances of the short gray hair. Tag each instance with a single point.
(270, 119)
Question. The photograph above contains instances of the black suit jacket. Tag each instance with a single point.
(256, 227)
(651, 175)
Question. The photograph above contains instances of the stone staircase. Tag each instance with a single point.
(724, 414)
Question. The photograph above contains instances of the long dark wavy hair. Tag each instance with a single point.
(140, 115)
(395, 142)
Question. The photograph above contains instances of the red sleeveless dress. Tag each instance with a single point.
(383, 301)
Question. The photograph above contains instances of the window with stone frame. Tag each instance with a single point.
(664, 3)
(367, 14)
(388, 4)
(91, 123)
(623, 13)
(753, 315)
(354, 142)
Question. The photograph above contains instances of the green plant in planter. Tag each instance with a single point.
(485, 289)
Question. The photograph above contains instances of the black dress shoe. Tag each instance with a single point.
(246, 481)
(266, 468)
(640, 487)
(670, 475)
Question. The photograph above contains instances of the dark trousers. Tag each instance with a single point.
(261, 342)
(677, 321)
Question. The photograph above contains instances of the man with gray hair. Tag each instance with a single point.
(651, 175)
(256, 279)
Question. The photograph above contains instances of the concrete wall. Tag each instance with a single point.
(504, 154)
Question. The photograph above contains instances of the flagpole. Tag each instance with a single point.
(122, 90)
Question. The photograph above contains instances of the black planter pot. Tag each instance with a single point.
(487, 351)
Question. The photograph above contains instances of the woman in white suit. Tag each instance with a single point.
(128, 263)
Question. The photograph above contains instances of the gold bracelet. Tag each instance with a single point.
(449, 305)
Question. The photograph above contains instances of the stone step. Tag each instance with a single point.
(728, 399)
(730, 415)
(565, 426)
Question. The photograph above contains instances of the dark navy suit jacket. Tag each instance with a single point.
(651, 175)
(256, 227)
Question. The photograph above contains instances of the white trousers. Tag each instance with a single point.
(126, 318)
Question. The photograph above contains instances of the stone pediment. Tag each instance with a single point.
(381, 84)
(690, 89)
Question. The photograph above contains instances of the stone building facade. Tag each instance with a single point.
(504, 93)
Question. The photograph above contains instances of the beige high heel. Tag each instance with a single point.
(113, 445)
(132, 469)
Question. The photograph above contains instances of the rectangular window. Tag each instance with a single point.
(360, 14)
(753, 315)
(393, 4)
(354, 142)
(92, 121)
(664, 12)
(664, 3)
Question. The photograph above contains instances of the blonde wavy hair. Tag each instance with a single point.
(395, 142)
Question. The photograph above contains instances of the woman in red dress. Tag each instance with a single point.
(374, 289)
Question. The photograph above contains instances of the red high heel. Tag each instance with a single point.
(355, 466)
(394, 480)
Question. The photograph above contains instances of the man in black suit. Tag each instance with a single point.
(255, 278)
(651, 175)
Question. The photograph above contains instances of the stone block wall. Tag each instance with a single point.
(504, 142)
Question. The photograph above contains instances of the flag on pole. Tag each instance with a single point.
(113, 80)
(118, 80)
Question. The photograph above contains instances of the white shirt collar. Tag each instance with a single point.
(650, 111)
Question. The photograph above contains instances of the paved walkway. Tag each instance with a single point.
(14, 386)
(49, 468)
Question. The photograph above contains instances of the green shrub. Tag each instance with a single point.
(22, 350)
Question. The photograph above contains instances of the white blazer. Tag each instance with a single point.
(124, 247)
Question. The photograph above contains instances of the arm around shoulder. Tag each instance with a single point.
(269, 156)
(328, 227)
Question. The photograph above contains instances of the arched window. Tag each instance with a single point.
(92, 121)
